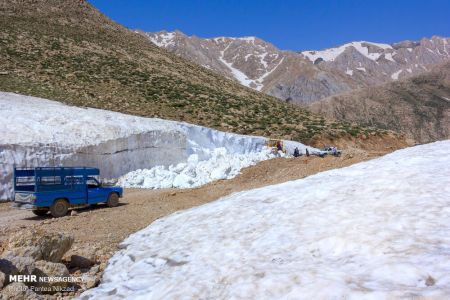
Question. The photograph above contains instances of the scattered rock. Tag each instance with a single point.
(7, 268)
(18, 291)
(2, 280)
(81, 261)
(94, 270)
(39, 245)
(102, 266)
(430, 281)
(73, 213)
(91, 281)
(50, 269)
(14, 265)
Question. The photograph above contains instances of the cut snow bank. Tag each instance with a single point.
(374, 230)
(39, 132)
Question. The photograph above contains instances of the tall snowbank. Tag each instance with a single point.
(375, 230)
(39, 132)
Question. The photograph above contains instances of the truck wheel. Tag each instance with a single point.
(113, 200)
(59, 208)
(40, 212)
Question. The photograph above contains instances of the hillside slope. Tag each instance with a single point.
(308, 76)
(419, 107)
(68, 51)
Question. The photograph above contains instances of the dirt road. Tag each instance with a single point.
(104, 228)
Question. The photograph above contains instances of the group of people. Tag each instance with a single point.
(297, 152)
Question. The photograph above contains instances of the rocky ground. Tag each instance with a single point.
(84, 240)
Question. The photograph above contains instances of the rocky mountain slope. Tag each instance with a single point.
(304, 77)
(68, 51)
(419, 106)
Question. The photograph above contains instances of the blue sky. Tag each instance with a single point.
(289, 24)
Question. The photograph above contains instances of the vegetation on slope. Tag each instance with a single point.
(417, 107)
(67, 51)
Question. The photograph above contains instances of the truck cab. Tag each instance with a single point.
(57, 189)
(331, 151)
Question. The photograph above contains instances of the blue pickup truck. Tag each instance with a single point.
(56, 189)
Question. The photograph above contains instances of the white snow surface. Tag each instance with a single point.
(375, 230)
(194, 173)
(388, 56)
(396, 74)
(238, 74)
(31, 120)
(241, 76)
(163, 40)
(332, 53)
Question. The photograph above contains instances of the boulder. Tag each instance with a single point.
(16, 265)
(39, 245)
(51, 270)
(22, 265)
(78, 261)
(18, 291)
(83, 258)
(7, 268)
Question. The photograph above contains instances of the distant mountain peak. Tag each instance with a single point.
(310, 75)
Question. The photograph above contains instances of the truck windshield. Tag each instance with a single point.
(92, 183)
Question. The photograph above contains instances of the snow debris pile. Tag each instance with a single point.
(378, 229)
(194, 173)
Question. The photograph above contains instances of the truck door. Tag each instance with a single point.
(95, 193)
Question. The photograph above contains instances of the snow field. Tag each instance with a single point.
(374, 230)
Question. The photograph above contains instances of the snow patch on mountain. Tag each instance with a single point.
(388, 56)
(396, 74)
(260, 80)
(164, 40)
(310, 75)
(238, 74)
(332, 53)
(375, 230)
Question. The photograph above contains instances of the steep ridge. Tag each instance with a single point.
(307, 76)
(68, 51)
(419, 106)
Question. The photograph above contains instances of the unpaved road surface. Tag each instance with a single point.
(104, 228)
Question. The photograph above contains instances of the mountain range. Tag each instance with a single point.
(307, 76)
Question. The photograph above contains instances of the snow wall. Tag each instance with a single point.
(39, 132)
